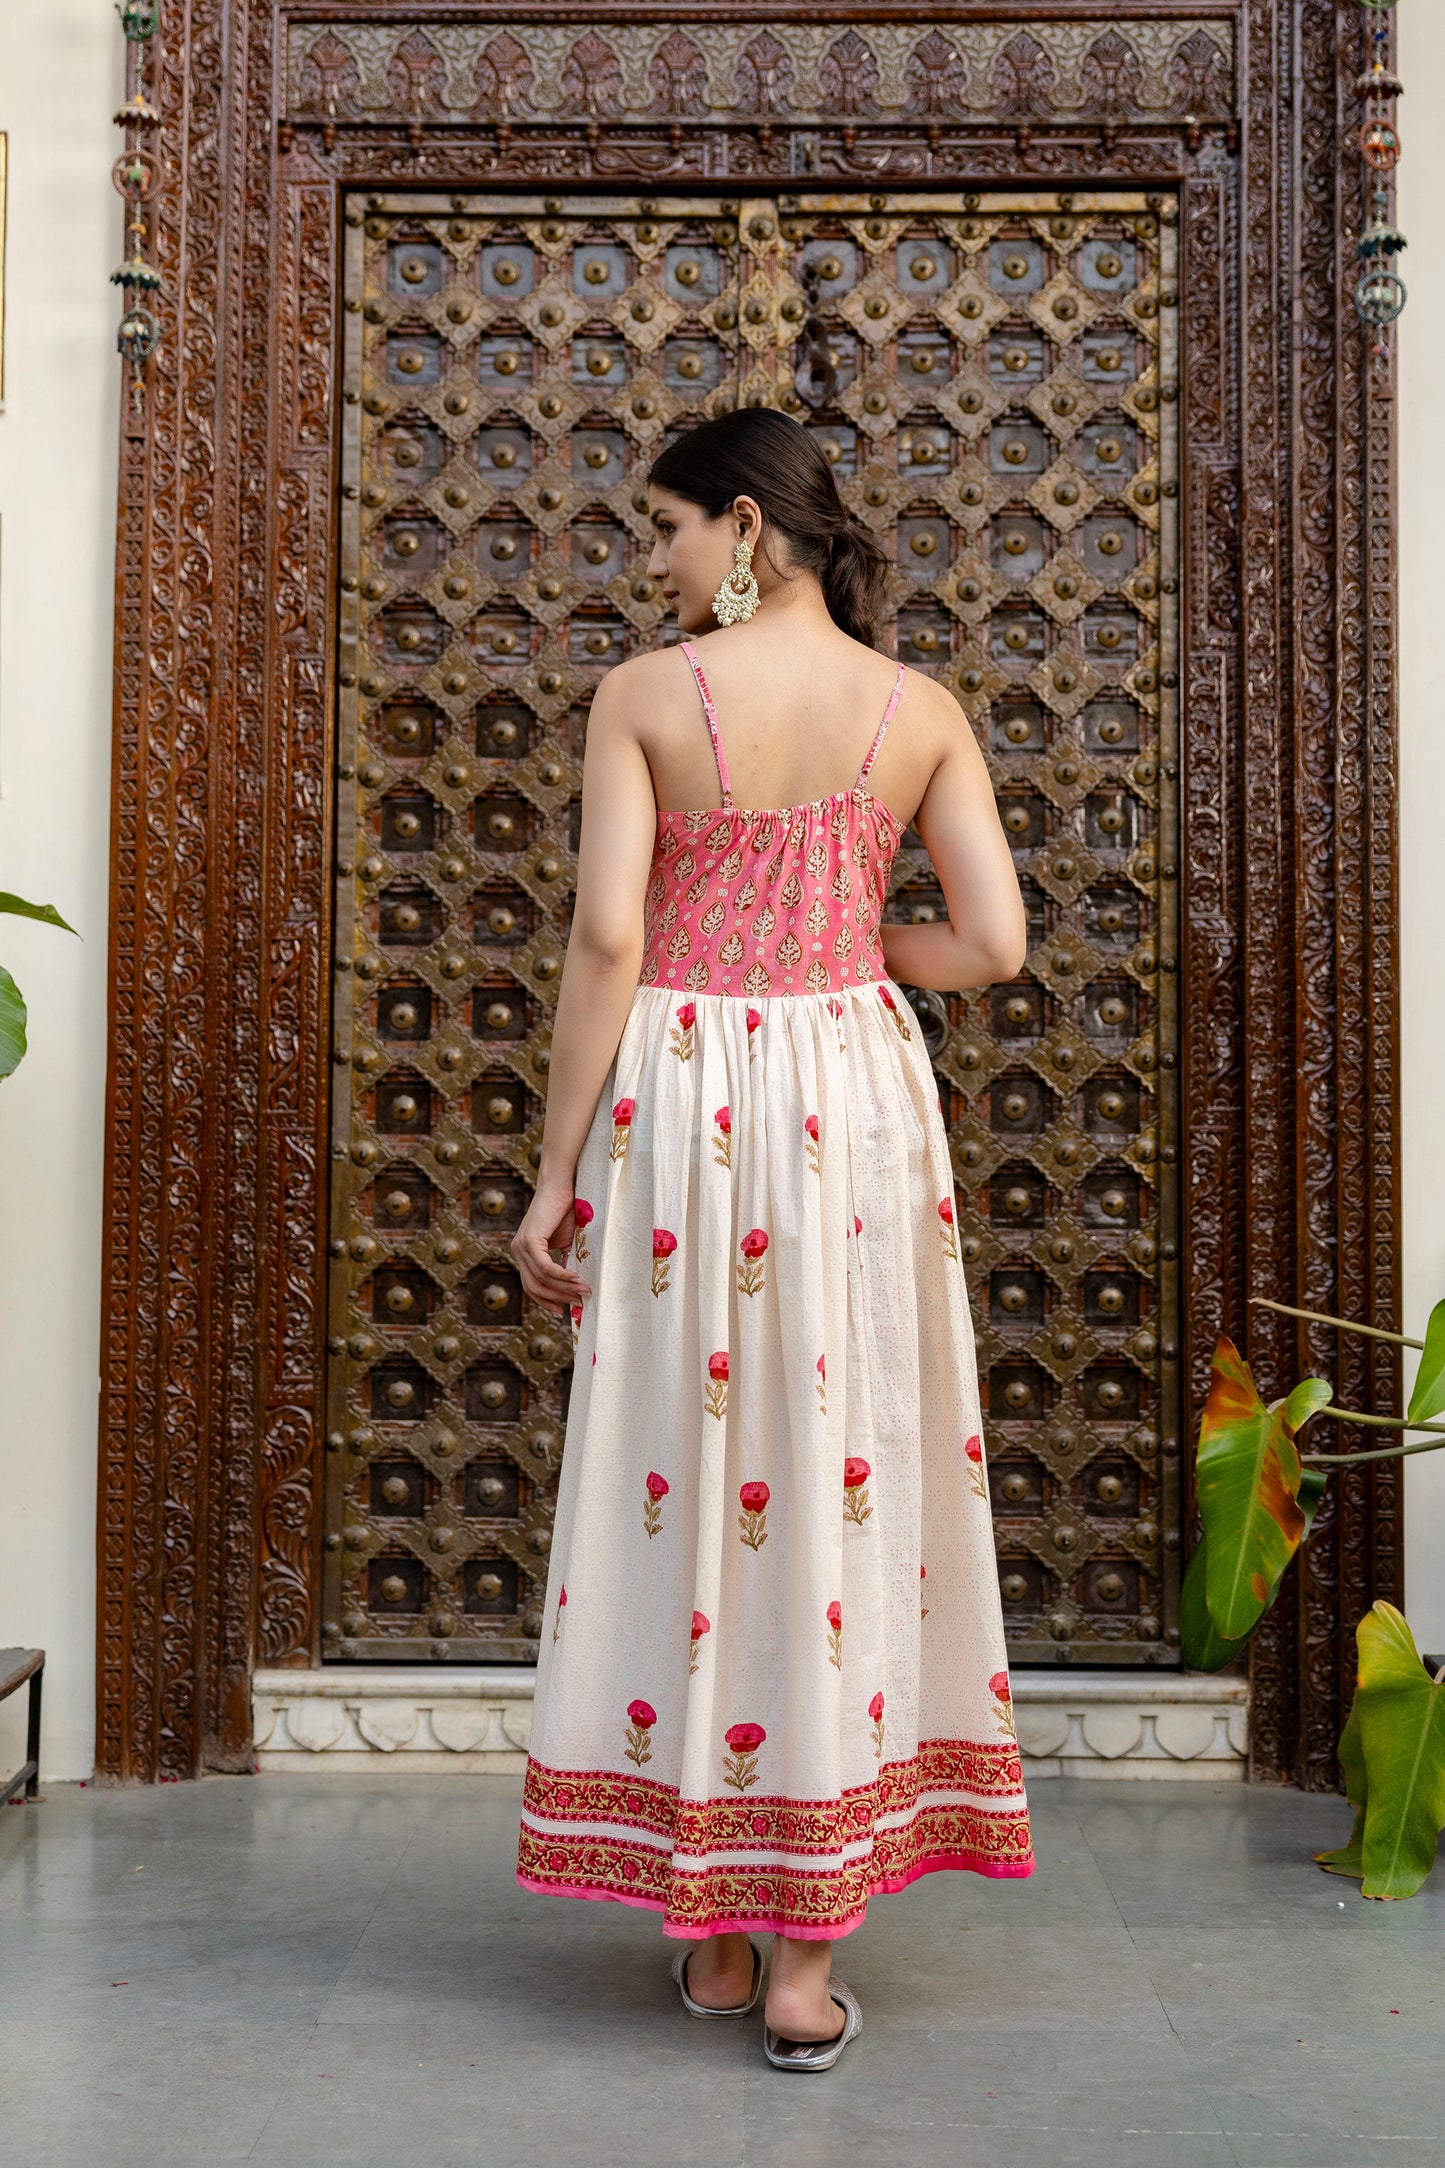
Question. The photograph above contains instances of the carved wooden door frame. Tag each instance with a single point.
(211, 1443)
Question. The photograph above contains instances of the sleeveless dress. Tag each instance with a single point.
(773, 1681)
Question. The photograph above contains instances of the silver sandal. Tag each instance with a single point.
(697, 2009)
(816, 2054)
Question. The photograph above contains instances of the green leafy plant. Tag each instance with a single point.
(12, 1001)
(1258, 1495)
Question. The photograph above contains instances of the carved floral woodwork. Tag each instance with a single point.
(213, 1447)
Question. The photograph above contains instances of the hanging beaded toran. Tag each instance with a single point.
(1380, 294)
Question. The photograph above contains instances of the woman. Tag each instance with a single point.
(773, 1680)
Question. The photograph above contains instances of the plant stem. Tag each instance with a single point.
(1375, 1422)
(1385, 1452)
(1318, 1317)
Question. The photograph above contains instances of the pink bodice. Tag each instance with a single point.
(773, 899)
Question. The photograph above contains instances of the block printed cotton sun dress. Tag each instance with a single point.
(773, 1681)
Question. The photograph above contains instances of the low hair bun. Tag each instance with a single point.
(761, 453)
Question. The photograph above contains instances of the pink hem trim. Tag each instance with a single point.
(769, 1924)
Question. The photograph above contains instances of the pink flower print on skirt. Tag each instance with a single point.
(582, 1217)
(810, 1128)
(641, 1716)
(657, 1489)
(753, 1520)
(715, 1399)
(855, 1491)
(892, 1007)
(822, 1386)
(751, 1278)
(1003, 1699)
(680, 1038)
(575, 1314)
(664, 1242)
(722, 1143)
(700, 1626)
(754, 1018)
(973, 1453)
(741, 1769)
(875, 1710)
(561, 1607)
(835, 1634)
(945, 1214)
(621, 1127)
(922, 1577)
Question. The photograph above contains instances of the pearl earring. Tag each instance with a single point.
(737, 598)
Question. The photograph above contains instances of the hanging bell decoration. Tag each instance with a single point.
(1380, 294)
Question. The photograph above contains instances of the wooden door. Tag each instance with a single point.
(994, 379)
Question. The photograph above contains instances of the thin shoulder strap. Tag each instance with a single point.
(711, 713)
(868, 757)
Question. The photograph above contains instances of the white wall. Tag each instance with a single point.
(61, 79)
(1422, 797)
(60, 82)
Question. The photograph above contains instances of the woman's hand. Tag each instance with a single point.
(548, 1225)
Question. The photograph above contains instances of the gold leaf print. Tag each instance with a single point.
(713, 917)
(841, 885)
(764, 923)
(731, 866)
(699, 888)
(818, 859)
(792, 893)
(686, 866)
(747, 894)
(843, 941)
(816, 976)
(731, 951)
(697, 975)
(788, 950)
(817, 917)
(679, 945)
(757, 979)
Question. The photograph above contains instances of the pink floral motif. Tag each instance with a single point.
(641, 1717)
(753, 1520)
(945, 1214)
(575, 1313)
(741, 1769)
(723, 1141)
(754, 1018)
(855, 1229)
(822, 1387)
(814, 1159)
(715, 1399)
(1002, 1693)
(561, 1607)
(855, 1491)
(657, 1490)
(835, 1634)
(700, 1626)
(582, 1217)
(621, 1127)
(750, 1271)
(922, 1577)
(664, 1242)
(681, 1036)
(875, 1710)
(906, 1030)
(973, 1452)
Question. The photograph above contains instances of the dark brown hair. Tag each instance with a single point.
(758, 452)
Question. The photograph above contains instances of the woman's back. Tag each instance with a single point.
(796, 717)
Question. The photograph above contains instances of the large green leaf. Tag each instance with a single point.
(19, 908)
(12, 1024)
(1248, 1479)
(1349, 1858)
(1428, 1399)
(1402, 1740)
(1204, 1647)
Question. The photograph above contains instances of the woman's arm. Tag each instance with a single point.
(604, 955)
(985, 937)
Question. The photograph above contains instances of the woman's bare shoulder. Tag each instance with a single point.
(660, 674)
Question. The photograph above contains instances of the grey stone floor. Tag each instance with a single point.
(313, 1970)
